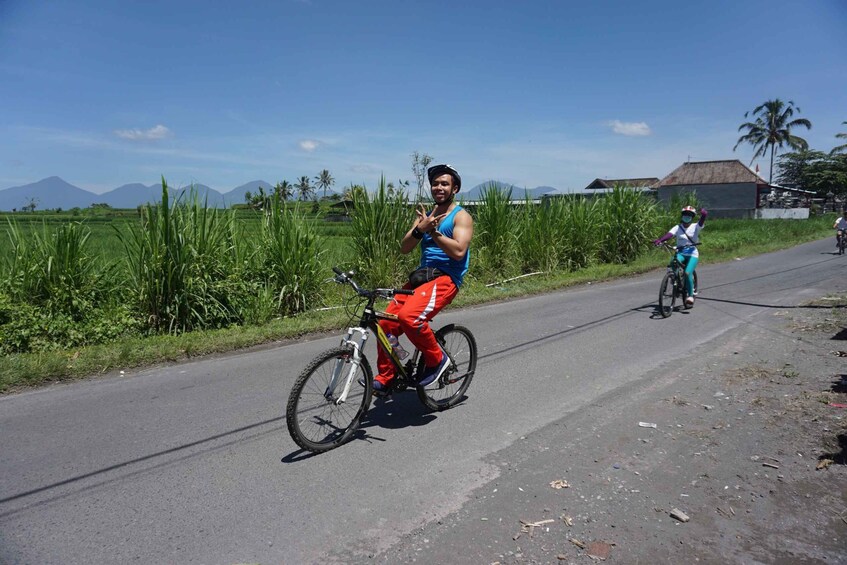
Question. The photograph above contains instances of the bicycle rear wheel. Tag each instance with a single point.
(667, 295)
(316, 420)
(696, 285)
(446, 392)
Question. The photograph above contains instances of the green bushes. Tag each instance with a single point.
(55, 293)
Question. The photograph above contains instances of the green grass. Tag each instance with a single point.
(723, 240)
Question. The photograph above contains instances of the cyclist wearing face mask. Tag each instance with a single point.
(444, 234)
(687, 236)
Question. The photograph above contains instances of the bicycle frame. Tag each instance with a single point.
(357, 337)
(677, 267)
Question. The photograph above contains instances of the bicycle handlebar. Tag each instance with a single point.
(346, 278)
(678, 247)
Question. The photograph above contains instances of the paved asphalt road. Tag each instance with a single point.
(192, 463)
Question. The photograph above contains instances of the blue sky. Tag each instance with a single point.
(105, 93)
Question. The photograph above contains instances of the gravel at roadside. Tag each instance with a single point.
(737, 454)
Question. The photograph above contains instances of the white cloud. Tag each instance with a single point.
(631, 129)
(156, 132)
(308, 145)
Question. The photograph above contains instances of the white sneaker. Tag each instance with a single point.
(689, 301)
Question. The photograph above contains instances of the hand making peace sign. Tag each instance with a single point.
(427, 223)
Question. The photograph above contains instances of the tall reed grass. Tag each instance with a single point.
(628, 220)
(179, 265)
(542, 240)
(497, 226)
(184, 266)
(291, 260)
(580, 226)
(379, 223)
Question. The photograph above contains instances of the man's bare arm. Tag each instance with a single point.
(457, 246)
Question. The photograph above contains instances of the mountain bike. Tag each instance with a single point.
(673, 283)
(334, 391)
(842, 241)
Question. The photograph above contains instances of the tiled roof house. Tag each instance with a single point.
(607, 184)
(728, 189)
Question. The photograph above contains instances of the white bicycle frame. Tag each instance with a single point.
(358, 344)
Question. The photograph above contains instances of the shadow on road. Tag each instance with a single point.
(773, 273)
(776, 306)
(398, 411)
(178, 449)
(839, 457)
(538, 341)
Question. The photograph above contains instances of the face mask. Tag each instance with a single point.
(687, 218)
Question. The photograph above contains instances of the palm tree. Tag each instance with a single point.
(304, 188)
(283, 190)
(324, 181)
(354, 191)
(840, 148)
(772, 129)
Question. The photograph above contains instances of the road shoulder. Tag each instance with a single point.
(749, 444)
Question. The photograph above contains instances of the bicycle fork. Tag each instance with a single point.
(355, 363)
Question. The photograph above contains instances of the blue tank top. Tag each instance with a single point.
(434, 256)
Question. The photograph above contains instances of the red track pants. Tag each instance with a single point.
(413, 315)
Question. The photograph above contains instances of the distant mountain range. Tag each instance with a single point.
(53, 192)
(518, 193)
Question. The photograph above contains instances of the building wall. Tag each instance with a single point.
(736, 200)
(782, 213)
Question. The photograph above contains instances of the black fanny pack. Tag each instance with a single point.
(424, 275)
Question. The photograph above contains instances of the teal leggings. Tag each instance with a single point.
(690, 264)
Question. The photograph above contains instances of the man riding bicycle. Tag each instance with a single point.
(840, 226)
(687, 237)
(444, 234)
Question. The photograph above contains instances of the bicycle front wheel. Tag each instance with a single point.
(667, 295)
(446, 392)
(318, 420)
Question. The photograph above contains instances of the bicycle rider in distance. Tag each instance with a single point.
(840, 226)
(687, 237)
(445, 235)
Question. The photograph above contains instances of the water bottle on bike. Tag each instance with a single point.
(395, 345)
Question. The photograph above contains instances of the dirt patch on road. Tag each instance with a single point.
(738, 455)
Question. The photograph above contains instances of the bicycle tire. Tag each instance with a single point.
(841, 244)
(311, 406)
(667, 295)
(446, 392)
(696, 284)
